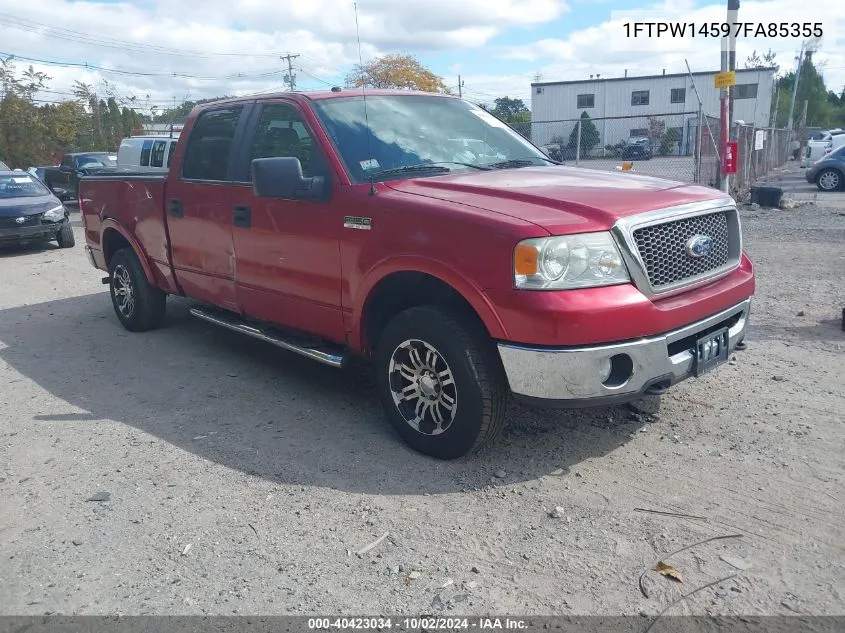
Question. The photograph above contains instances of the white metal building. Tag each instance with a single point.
(670, 98)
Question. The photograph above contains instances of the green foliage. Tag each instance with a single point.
(511, 110)
(668, 141)
(32, 134)
(822, 110)
(589, 135)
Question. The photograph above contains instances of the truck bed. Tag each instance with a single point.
(131, 203)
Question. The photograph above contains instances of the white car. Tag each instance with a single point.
(819, 148)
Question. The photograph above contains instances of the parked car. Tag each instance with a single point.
(64, 179)
(30, 212)
(4, 166)
(637, 148)
(146, 153)
(819, 148)
(295, 219)
(828, 173)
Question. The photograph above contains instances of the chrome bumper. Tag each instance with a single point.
(571, 376)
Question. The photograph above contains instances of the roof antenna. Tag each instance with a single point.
(364, 95)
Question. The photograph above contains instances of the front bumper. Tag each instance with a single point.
(27, 233)
(570, 376)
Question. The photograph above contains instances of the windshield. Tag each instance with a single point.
(21, 186)
(411, 130)
(95, 161)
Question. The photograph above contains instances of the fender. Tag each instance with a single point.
(471, 292)
(111, 223)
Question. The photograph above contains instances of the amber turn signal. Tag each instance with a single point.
(525, 260)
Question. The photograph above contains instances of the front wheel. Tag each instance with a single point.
(138, 304)
(65, 237)
(830, 180)
(440, 382)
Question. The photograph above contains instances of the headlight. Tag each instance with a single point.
(56, 214)
(568, 261)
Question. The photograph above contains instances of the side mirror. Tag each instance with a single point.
(281, 177)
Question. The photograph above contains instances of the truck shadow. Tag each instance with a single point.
(254, 408)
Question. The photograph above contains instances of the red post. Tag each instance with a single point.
(724, 135)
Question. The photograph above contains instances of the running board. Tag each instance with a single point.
(322, 353)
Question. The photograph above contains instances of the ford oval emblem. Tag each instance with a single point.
(699, 246)
(20, 220)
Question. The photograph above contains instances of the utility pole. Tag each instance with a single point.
(290, 78)
(460, 87)
(725, 110)
(795, 88)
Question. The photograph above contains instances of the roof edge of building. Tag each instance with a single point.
(644, 77)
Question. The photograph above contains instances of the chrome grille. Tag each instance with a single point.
(663, 248)
(10, 222)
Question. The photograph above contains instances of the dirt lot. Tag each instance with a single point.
(240, 479)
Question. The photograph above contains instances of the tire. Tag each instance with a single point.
(139, 305)
(830, 180)
(440, 359)
(65, 236)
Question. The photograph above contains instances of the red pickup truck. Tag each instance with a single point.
(421, 233)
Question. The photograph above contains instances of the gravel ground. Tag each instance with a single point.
(190, 470)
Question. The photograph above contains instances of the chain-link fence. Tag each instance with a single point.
(679, 146)
(759, 150)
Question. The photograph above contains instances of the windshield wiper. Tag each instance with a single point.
(436, 166)
(521, 162)
(409, 169)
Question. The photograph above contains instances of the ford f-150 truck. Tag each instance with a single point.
(341, 224)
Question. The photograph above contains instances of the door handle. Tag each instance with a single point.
(242, 217)
(176, 208)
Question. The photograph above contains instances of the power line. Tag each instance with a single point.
(136, 73)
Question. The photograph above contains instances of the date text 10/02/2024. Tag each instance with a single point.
(723, 29)
(415, 624)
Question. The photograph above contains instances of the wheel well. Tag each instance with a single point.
(399, 292)
(113, 241)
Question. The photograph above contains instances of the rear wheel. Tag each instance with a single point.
(139, 305)
(65, 236)
(830, 180)
(440, 382)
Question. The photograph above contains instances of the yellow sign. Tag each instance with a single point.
(725, 79)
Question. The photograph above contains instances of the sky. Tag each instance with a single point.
(161, 51)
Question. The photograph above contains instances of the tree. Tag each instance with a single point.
(395, 71)
(766, 60)
(811, 88)
(115, 126)
(589, 136)
(669, 141)
(511, 110)
(656, 129)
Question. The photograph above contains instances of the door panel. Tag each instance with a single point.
(288, 256)
(199, 210)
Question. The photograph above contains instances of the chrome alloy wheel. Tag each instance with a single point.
(423, 387)
(124, 294)
(829, 180)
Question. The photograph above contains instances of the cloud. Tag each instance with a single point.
(243, 46)
(605, 48)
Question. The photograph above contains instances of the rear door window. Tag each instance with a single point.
(157, 156)
(146, 150)
(207, 154)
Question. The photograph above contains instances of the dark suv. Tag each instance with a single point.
(637, 148)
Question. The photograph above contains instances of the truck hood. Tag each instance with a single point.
(13, 207)
(559, 199)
